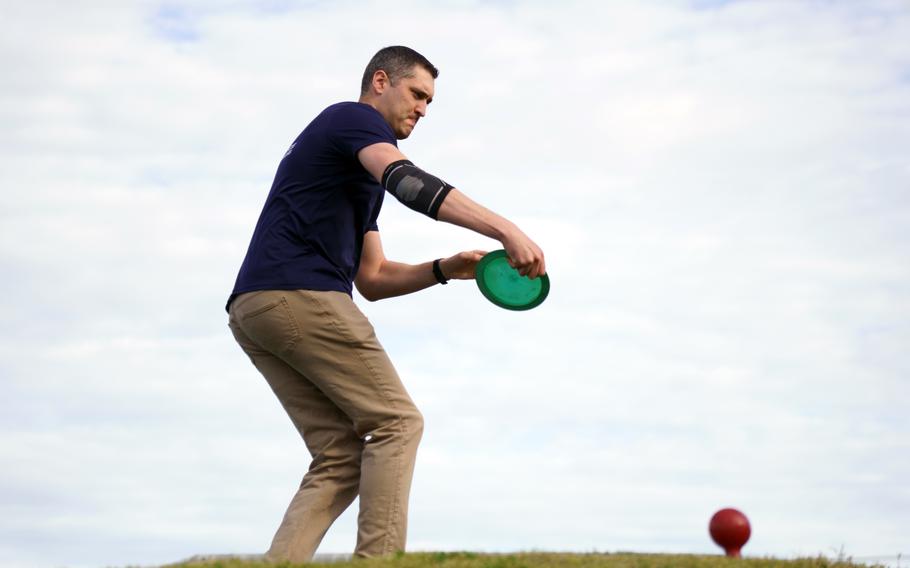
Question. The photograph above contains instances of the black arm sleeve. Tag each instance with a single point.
(415, 188)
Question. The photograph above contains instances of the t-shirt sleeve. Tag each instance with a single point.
(356, 126)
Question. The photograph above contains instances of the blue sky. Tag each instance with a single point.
(722, 191)
(175, 23)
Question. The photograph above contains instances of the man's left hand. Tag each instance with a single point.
(462, 265)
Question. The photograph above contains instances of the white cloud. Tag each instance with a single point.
(721, 190)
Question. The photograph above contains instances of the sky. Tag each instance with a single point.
(721, 188)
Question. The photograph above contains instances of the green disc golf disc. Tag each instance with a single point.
(505, 287)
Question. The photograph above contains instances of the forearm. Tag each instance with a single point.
(459, 209)
(397, 279)
(524, 254)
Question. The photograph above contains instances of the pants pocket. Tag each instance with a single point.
(267, 320)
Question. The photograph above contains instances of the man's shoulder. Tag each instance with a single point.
(351, 111)
(354, 124)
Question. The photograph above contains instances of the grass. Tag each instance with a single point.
(542, 560)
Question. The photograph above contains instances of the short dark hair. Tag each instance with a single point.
(397, 61)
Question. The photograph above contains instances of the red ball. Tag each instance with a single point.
(730, 530)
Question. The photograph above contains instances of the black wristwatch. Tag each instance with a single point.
(437, 272)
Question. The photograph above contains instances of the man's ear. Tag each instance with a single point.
(381, 81)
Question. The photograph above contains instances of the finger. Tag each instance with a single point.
(535, 268)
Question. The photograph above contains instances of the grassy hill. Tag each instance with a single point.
(539, 560)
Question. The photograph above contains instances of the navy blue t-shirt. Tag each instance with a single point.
(322, 202)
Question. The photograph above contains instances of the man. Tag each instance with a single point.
(292, 313)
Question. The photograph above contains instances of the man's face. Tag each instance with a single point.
(405, 102)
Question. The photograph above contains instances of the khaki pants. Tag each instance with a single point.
(321, 358)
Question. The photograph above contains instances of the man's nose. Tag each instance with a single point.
(421, 108)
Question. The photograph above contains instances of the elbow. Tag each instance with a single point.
(369, 292)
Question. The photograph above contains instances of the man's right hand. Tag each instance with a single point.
(524, 254)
